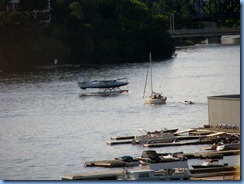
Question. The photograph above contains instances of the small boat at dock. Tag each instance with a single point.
(154, 137)
(151, 156)
(124, 161)
(151, 175)
(210, 163)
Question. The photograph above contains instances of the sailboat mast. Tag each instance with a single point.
(145, 83)
(150, 58)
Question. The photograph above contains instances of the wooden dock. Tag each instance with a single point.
(126, 140)
(178, 143)
(111, 163)
(211, 154)
(123, 137)
(224, 173)
(104, 175)
(196, 174)
(119, 142)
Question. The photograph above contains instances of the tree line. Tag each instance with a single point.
(88, 31)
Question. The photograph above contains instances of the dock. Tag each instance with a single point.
(104, 175)
(211, 154)
(127, 140)
(111, 163)
(123, 137)
(119, 142)
(178, 143)
(200, 155)
(224, 173)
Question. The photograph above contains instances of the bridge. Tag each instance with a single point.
(211, 11)
(208, 32)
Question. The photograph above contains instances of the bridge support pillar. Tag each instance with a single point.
(213, 39)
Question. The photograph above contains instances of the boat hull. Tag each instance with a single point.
(102, 85)
(149, 100)
(209, 166)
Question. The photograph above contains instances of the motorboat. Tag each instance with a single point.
(232, 146)
(154, 137)
(172, 170)
(188, 102)
(154, 97)
(163, 130)
(209, 163)
(151, 175)
(151, 156)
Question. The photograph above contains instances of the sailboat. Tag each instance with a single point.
(154, 97)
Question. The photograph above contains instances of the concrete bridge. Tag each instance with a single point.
(207, 32)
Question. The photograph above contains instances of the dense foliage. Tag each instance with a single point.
(88, 31)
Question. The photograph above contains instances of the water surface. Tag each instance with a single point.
(49, 130)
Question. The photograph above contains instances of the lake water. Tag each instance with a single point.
(49, 130)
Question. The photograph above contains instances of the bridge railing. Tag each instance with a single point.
(203, 32)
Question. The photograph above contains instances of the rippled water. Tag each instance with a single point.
(49, 130)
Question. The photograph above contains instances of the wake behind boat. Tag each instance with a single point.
(104, 87)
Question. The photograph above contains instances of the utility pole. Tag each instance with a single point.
(172, 22)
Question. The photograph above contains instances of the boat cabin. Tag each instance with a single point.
(162, 174)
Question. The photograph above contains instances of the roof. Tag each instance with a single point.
(233, 96)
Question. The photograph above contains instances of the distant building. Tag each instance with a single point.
(224, 110)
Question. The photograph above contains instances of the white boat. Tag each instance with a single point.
(102, 87)
(149, 175)
(188, 102)
(178, 170)
(232, 146)
(154, 97)
(210, 163)
(151, 156)
(152, 137)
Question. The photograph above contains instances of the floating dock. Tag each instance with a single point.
(104, 175)
(119, 142)
(224, 173)
(178, 143)
(111, 163)
(196, 174)
(126, 140)
(212, 154)
(123, 137)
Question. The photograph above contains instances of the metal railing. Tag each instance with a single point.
(203, 32)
